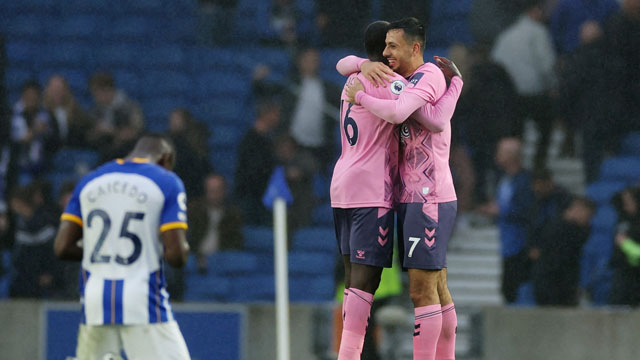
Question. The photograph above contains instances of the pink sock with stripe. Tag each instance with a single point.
(427, 330)
(355, 318)
(446, 348)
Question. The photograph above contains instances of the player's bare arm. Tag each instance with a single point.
(65, 245)
(176, 247)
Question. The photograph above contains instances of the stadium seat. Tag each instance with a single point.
(631, 145)
(20, 52)
(26, 6)
(133, 28)
(258, 238)
(203, 59)
(71, 54)
(322, 215)
(605, 219)
(24, 26)
(15, 77)
(322, 239)
(144, 7)
(232, 262)
(621, 168)
(225, 110)
(118, 55)
(312, 288)
(160, 107)
(225, 136)
(75, 161)
(525, 295)
(321, 186)
(218, 83)
(311, 263)
(206, 287)
(162, 58)
(5, 276)
(97, 7)
(441, 9)
(73, 27)
(602, 191)
(128, 81)
(252, 288)
(165, 83)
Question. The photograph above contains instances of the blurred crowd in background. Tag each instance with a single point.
(567, 64)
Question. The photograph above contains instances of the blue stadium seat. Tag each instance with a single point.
(621, 168)
(98, 7)
(133, 28)
(75, 161)
(84, 27)
(118, 55)
(321, 186)
(311, 263)
(144, 7)
(184, 8)
(315, 239)
(177, 30)
(233, 262)
(252, 288)
(166, 83)
(278, 60)
(323, 215)
(5, 276)
(631, 145)
(203, 59)
(15, 77)
(128, 81)
(525, 296)
(312, 288)
(24, 26)
(160, 58)
(219, 83)
(157, 111)
(21, 52)
(72, 54)
(224, 162)
(445, 8)
(25, 6)
(605, 219)
(226, 136)
(207, 287)
(602, 191)
(252, 18)
(258, 238)
(225, 110)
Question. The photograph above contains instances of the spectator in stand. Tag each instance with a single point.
(300, 167)
(526, 51)
(590, 71)
(550, 202)
(332, 17)
(215, 18)
(214, 222)
(307, 111)
(256, 161)
(556, 251)
(34, 265)
(72, 123)
(487, 106)
(33, 132)
(117, 121)
(513, 209)
(569, 16)
(488, 18)
(625, 287)
(190, 140)
(622, 34)
(283, 21)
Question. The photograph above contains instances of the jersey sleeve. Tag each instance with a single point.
(429, 84)
(73, 211)
(349, 65)
(436, 116)
(174, 211)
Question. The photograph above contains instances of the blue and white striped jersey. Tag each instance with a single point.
(122, 208)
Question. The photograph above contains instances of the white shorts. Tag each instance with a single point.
(139, 342)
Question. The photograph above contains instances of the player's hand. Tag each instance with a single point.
(352, 90)
(620, 238)
(448, 67)
(376, 72)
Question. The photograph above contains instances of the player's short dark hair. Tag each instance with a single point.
(31, 85)
(374, 40)
(414, 30)
(102, 80)
(525, 5)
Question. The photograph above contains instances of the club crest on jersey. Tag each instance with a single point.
(404, 131)
(397, 87)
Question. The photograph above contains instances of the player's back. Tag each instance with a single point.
(124, 206)
(365, 173)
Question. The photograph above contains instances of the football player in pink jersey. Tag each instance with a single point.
(425, 193)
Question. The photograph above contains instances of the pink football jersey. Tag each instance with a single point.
(425, 175)
(367, 170)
